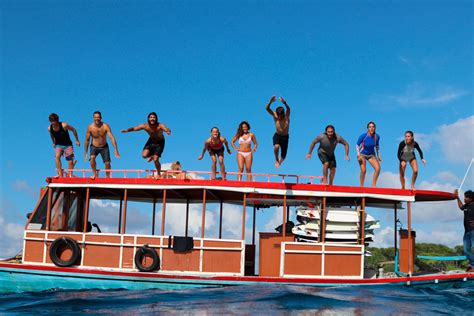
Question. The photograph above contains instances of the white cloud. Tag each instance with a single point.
(11, 237)
(457, 140)
(23, 186)
(420, 95)
(383, 238)
(446, 176)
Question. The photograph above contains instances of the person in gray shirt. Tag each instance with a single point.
(327, 144)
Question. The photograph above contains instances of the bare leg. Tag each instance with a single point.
(281, 161)
(414, 166)
(221, 164)
(107, 167)
(146, 155)
(332, 173)
(156, 160)
(213, 166)
(248, 166)
(70, 166)
(325, 172)
(240, 164)
(93, 167)
(375, 164)
(363, 169)
(276, 149)
(59, 167)
(402, 167)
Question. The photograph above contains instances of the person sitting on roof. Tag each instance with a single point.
(406, 154)
(215, 147)
(468, 239)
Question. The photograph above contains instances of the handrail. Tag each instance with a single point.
(201, 175)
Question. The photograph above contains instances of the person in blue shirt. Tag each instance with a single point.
(368, 150)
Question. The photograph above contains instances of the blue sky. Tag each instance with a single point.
(404, 65)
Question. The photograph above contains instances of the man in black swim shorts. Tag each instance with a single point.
(282, 125)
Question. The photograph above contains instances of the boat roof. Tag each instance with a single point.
(297, 189)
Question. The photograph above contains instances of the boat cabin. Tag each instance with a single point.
(60, 232)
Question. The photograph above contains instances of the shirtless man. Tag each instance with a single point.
(62, 144)
(99, 132)
(282, 125)
(156, 143)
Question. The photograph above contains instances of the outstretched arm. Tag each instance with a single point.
(73, 130)
(86, 143)
(311, 147)
(165, 128)
(206, 143)
(286, 106)
(273, 114)
(226, 144)
(112, 139)
(134, 129)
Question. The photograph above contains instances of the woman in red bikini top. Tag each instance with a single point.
(215, 146)
(245, 151)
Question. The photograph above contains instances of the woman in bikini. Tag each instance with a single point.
(368, 150)
(406, 154)
(215, 146)
(245, 151)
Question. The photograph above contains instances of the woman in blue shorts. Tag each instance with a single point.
(368, 150)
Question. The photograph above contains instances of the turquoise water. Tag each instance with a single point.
(260, 299)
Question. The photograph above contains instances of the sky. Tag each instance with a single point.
(406, 65)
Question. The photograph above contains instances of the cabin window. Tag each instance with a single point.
(105, 213)
(39, 218)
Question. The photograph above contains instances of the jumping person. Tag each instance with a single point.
(327, 144)
(406, 154)
(245, 151)
(99, 131)
(215, 147)
(282, 125)
(156, 142)
(62, 144)
(468, 239)
(368, 150)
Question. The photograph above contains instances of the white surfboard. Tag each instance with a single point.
(344, 215)
(342, 227)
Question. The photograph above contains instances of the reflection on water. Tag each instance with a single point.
(259, 299)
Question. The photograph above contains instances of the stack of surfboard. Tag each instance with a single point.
(342, 225)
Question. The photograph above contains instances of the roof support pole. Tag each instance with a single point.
(86, 212)
(395, 231)
(362, 223)
(220, 220)
(322, 222)
(254, 223)
(187, 218)
(203, 222)
(48, 210)
(283, 227)
(410, 251)
(163, 213)
(124, 217)
(244, 209)
(120, 217)
(154, 217)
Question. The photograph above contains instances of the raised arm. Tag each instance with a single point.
(66, 126)
(273, 114)
(286, 106)
(460, 205)
(134, 129)
(206, 144)
(112, 139)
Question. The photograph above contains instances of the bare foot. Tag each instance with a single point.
(93, 177)
(277, 164)
(57, 176)
(156, 176)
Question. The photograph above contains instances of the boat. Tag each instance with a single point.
(62, 250)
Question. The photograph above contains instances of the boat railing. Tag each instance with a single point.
(197, 175)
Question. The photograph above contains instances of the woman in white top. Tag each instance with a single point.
(245, 150)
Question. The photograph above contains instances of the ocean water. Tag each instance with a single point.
(260, 300)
